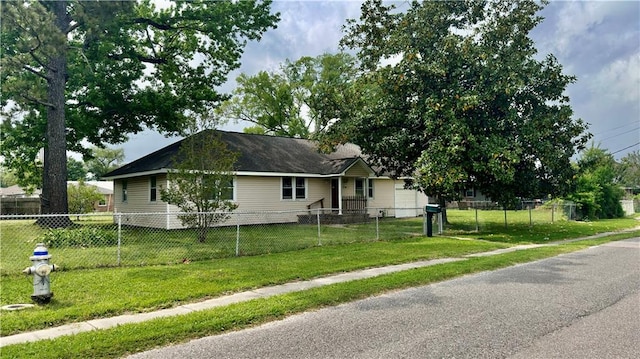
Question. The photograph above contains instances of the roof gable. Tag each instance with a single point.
(257, 153)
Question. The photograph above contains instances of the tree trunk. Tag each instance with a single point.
(54, 183)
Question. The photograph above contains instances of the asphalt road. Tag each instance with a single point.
(581, 305)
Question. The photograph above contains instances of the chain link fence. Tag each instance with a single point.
(479, 215)
(139, 239)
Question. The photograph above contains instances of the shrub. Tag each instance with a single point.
(83, 237)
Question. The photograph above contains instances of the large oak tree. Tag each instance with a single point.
(454, 95)
(99, 70)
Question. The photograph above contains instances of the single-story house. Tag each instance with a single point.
(271, 174)
(105, 188)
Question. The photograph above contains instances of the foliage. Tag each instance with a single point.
(98, 71)
(455, 97)
(596, 193)
(83, 237)
(7, 177)
(103, 160)
(299, 100)
(82, 198)
(628, 170)
(76, 170)
(201, 181)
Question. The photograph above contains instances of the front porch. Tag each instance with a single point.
(353, 210)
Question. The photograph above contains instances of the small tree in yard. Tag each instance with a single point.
(201, 182)
(81, 198)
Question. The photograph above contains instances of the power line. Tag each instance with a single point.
(626, 148)
(615, 128)
(620, 134)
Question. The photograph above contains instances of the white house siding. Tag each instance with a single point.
(382, 197)
(390, 198)
(257, 195)
(357, 170)
(254, 196)
(138, 189)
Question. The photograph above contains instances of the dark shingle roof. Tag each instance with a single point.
(258, 153)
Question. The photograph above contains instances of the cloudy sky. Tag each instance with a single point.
(596, 41)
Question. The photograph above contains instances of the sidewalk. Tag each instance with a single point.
(105, 323)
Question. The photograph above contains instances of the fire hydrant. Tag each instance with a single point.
(41, 269)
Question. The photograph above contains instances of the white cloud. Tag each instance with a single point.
(620, 79)
(575, 22)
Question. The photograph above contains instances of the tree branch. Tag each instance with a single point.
(36, 59)
(84, 56)
(73, 27)
(139, 57)
(157, 25)
(35, 72)
(38, 101)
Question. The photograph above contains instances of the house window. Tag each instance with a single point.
(470, 193)
(364, 186)
(287, 188)
(301, 189)
(124, 190)
(225, 191)
(102, 202)
(294, 188)
(360, 187)
(153, 189)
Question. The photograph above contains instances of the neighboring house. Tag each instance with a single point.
(105, 188)
(272, 174)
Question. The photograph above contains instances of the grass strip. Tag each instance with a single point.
(132, 338)
(89, 294)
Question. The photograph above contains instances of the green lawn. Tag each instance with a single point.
(519, 230)
(94, 293)
(131, 338)
(170, 267)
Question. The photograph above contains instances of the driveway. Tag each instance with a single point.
(580, 305)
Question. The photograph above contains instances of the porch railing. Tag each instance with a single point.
(354, 204)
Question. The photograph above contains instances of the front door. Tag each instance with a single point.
(335, 204)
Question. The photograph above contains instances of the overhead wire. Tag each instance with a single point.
(616, 128)
(626, 148)
(620, 134)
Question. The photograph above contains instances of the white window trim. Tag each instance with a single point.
(156, 189)
(124, 191)
(365, 187)
(234, 194)
(293, 189)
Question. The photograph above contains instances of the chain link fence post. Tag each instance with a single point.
(318, 221)
(237, 235)
(119, 217)
(477, 224)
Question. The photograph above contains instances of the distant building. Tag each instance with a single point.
(105, 188)
(15, 200)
